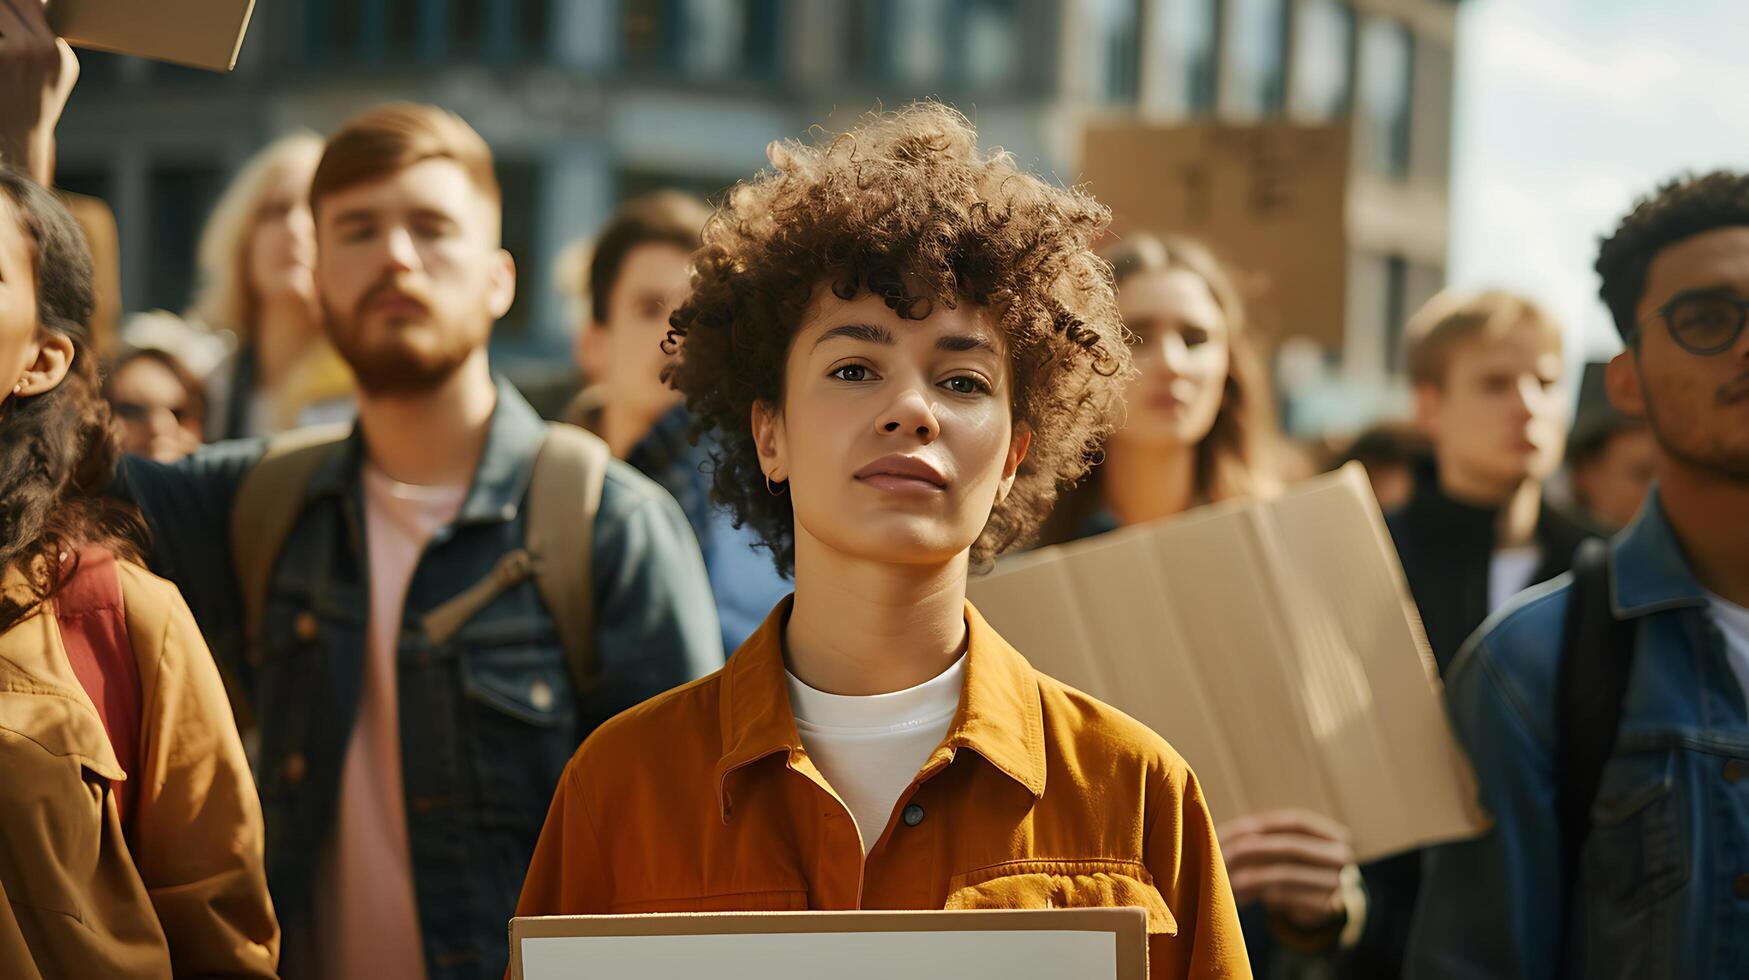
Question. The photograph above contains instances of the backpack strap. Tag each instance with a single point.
(1597, 655)
(265, 509)
(564, 496)
(93, 622)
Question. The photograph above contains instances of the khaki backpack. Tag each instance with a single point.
(563, 498)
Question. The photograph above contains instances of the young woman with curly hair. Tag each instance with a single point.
(905, 347)
(130, 832)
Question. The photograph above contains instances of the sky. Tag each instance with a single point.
(1567, 110)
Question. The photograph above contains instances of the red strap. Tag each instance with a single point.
(95, 633)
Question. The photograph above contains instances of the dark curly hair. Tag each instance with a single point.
(57, 449)
(904, 207)
(1681, 208)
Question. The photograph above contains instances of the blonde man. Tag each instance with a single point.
(1489, 396)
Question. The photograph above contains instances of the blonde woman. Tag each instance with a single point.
(256, 256)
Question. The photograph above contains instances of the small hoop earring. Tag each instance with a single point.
(774, 492)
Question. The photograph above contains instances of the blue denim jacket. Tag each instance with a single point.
(743, 576)
(1662, 889)
(488, 718)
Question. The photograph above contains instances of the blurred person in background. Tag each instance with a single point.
(130, 831)
(878, 355)
(627, 283)
(1487, 374)
(1200, 428)
(451, 693)
(161, 404)
(1605, 714)
(256, 283)
(1613, 459)
(1390, 451)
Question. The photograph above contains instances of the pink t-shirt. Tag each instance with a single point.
(367, 922)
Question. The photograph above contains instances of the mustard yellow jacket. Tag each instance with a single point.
(185, 893)
(704, 800)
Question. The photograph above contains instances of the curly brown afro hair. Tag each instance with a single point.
(905, 207)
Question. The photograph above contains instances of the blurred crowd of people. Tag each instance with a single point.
(415, 617)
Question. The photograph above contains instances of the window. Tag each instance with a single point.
(534, 25)
(401, 28)
(467, 25)
(332, 30)
(1257, 56)
(181, 196)
(1188, 30)
(1114, 55)
(1387, 52)
(870, 31)
(1395, 298)
(520, 182)
(1323, 61)
(706, 38)
(984, 42)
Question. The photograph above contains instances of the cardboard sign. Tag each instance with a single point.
(1270, 199)
(1274, 644)
(198, 33)
(1047, 944)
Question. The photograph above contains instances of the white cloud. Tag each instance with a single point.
(1567, 111)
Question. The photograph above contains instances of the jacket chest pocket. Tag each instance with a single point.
(521, 723)
(1046, 884)
(1637, 854)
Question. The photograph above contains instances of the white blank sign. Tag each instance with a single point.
(839, 955)
(1043, 944)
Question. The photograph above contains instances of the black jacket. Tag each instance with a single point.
(1446, 548)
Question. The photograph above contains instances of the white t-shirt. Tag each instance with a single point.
(367, 918)
(870, 748)
(1510, 572)
(1733, 621)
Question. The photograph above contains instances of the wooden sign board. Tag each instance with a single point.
(1273, 643)
(198, 33)
(1270, 198)
(1045, 944)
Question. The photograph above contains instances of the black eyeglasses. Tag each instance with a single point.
(1704, 323)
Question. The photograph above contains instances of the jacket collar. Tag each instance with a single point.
(1647, 566)
(513, 437)
(41, 696)
(1000, 716)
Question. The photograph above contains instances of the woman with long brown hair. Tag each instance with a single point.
(1200, 428)
(1200, 425)
(130, 832)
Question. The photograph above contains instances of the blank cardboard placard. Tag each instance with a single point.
(1271, 198)
(1273, 643)
(1046, 944)
(199, 33)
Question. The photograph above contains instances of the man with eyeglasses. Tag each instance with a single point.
(1605, 712)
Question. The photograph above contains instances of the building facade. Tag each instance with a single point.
(586, 102)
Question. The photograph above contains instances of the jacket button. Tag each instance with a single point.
(1742, 886)
(305, 626)
(912, 815)
(1735, 770)
(296, 768)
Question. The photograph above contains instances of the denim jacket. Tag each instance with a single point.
(489, 717)
(1662, 888)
